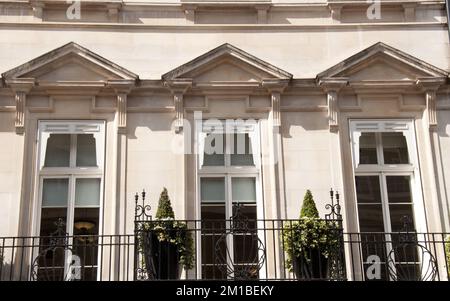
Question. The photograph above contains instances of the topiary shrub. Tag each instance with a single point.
(166, 239)
(310, 241)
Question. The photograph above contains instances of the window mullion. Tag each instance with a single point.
(73, 150)
(379, 144)
(227, 149)
(385, 203)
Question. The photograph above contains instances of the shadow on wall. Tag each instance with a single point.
(308, 121)
(153, 121)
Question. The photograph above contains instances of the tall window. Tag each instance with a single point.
(229, 170)
(387, 186)
(70, 187)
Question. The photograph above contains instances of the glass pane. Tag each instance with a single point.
(86, 152)
(368, 189)
(248, 214)
(395, 149)
(370, 218)
(85, 229)
(57, 153)
(212, 190)
(50, 218)
(87, 193)
(401, 214)
(55, 192)
(214, 152)
(213, 218)
(243, 189)
(367, 149)
(242, 150)
(399, 190)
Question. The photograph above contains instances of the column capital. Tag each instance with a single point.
(333, 84)
(179, 86)
(430, 83)
(20, 84)
(121, 86)
(275, 85)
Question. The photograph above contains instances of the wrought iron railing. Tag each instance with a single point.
(229, 252)
(239, 248)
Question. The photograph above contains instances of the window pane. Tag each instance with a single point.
(50, 218)
(399, 190)
(242, 150)
(370, 218)
(86, 152)
(212, 190)
(367, 149)
(213, 217)
(399, 215)
(57, 153)
(395, 149)
(368, 189)
(87, 193)
(214, 152)
(55, 192)
(243, 189)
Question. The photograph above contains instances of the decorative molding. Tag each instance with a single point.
(345, 67)
(275, 87)
(224, 51)
(430, 86)
(335, 11)
(409, 11)
(121, 88)
(189, 12)
(262, 12)
(20, 87)
(113, 11)
(178, 87)
(38, 9)
(67, 50)
(332, 86)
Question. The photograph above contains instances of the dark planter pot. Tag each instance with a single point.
(314, 269)
(161, 258)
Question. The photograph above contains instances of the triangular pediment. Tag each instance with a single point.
(381, 62)
(70, 63)
(227, 63)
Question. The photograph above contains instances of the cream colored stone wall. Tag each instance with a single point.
(153, 43)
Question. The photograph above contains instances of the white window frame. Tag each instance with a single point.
(381, 170)
(72, 172)
(406, 127)
(228, 171)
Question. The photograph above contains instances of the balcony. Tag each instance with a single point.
(235, 249)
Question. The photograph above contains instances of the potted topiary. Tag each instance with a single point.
(167, 244)
(309, 242)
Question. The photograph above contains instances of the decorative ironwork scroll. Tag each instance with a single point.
(55, 259)
(409, 258)
(251, 252)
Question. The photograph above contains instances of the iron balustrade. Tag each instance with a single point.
(258, 251)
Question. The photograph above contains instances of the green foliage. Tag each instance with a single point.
(175, 232)
(165, 210)
(309, 208)
(309, 232)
